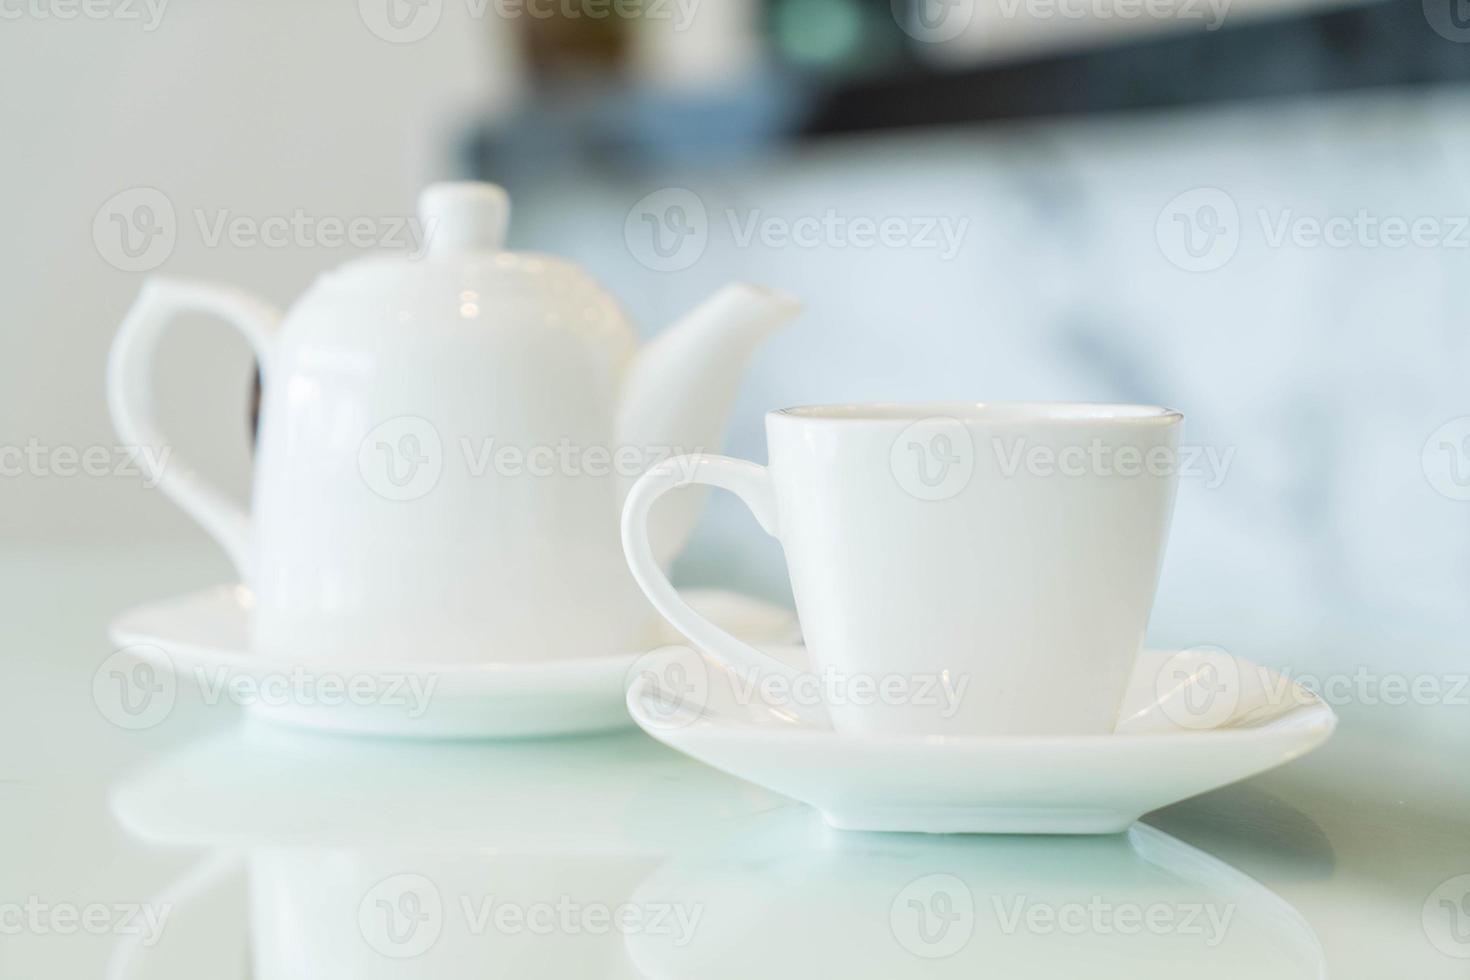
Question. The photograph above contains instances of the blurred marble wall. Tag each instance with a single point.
(1291, 275)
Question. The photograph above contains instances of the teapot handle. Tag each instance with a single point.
(130, 395)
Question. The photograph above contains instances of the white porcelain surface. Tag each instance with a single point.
(1060, 784)
(928, 544)
(445, 440)
(203, 638)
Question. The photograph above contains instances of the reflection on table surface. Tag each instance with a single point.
(1366, 838)
(614, 857)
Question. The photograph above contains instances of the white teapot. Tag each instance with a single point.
(445, 444)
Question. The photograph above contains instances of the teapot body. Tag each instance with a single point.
(444, 443)
(422, 488)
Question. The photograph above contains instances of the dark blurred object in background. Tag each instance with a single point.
(835, 66)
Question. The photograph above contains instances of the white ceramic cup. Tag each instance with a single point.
(962, 569)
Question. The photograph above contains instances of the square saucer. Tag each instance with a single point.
(1192, 720)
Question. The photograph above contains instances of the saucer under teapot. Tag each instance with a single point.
(202, 640)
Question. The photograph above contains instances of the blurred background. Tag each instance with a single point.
(1256, 211)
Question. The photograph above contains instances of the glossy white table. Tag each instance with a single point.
(211, 846)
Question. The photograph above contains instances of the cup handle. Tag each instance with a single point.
(130, 395)
(748, 481)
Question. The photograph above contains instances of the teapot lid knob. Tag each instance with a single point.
(464, 216)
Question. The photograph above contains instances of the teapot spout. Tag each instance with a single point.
(680, 388)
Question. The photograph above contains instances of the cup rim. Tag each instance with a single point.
(1102, 413)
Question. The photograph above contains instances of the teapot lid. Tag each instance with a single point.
(465, 274)
(464, 216)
